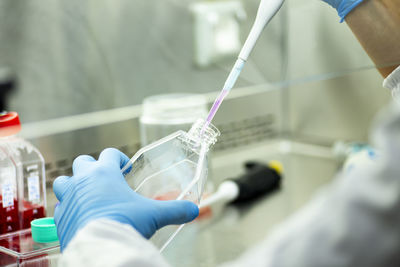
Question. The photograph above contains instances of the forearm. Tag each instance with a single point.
(376, 24)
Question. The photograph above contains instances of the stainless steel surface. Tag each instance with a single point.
(233, 229)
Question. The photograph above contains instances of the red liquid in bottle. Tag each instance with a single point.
(13, 219)
(9, 220)
(31, 212)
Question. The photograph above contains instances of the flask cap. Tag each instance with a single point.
(203, 133)
(44, 230)
(9, 123)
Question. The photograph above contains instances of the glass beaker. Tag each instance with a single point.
(166, 114)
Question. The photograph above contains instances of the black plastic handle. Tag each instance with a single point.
(258, 180)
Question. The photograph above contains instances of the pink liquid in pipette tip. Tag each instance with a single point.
(215, 108)
(229, 83)
(216, 105)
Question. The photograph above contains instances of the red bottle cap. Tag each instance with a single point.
(9, 123)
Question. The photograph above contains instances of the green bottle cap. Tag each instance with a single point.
(44, 230)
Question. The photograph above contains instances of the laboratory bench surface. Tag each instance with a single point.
(231, 230)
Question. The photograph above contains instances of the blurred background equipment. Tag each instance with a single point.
(258, 180)
(216, 30)
(8, 84)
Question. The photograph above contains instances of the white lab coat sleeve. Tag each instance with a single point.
(392, 82)
(109, 243)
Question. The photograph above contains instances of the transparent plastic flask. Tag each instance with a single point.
(22, 178)
(173, 168)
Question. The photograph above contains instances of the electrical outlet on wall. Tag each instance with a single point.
(216, 30)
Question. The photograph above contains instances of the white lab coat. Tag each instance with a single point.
(355, 221)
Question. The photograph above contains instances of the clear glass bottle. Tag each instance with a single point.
(165, 114)
(173, 168)
(22, 178)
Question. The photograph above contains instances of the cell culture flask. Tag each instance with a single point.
(173, 168)
(22, 178)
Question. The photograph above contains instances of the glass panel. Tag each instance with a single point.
(79, 56)
(74, 57)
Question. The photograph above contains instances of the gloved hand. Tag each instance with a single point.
(343, 7)
(98, 189)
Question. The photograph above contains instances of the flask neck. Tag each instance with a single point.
(203, 134)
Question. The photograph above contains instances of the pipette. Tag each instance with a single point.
(258, 180)
(266, 11)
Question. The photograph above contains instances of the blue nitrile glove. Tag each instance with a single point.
(99, 190)
(343, 7)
